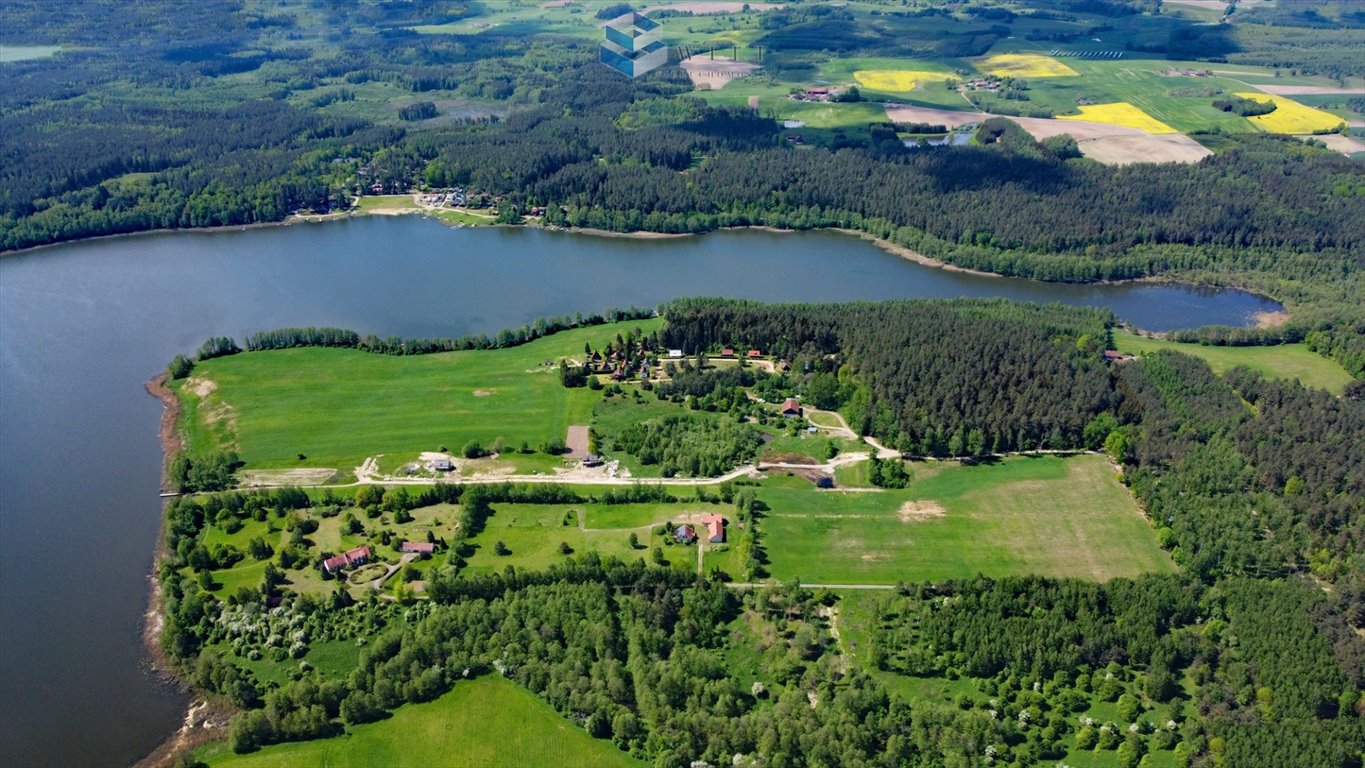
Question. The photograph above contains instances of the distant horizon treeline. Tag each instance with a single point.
(323, 336)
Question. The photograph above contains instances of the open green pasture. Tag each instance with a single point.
(481, 723)
(1045, 515)
(339, 406)
(1283, 361)
(532, 533)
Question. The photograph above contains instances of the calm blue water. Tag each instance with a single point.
(82, 326)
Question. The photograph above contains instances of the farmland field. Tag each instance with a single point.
(453, 730)
(896, 80)
(1046, 515)
(339, 406)
(1025, 65)
(1284, 361)
(1290, 116)
(1120, 113)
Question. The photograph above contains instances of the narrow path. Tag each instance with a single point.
(763, 585)
(378, 583)
(699, 555)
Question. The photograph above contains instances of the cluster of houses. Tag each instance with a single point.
(354, 558)
(460, 197)
(712, 526)
(819, 93)
(989, 84)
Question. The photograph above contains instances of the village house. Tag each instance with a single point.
(754, 353)
(349, 559)
(715, 528)
(791, 407)
(727, 352)
(685, 534)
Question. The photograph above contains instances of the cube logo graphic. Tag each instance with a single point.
(632, 45)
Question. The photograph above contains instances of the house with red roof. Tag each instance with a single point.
(791, 407)
(755, 353)
(348, 559)
(715, 528)
(418, 547)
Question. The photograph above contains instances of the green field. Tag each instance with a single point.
(339, 406)
(385, 202)
(481, 723)
(1045, 515)
(1284, 361)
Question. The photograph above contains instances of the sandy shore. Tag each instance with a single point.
(915, 256)
(1268, 319)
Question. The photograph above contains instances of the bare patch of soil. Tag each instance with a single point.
(947, 117)
(1125, 150)
(1270, 319)
(576, 440)
(485, 392)
(274, 478)
(919, 511)
(714, 74)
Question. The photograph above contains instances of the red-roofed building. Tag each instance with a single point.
(715, 528)
(755, 353)
(791, 407)
(348, 559)
(418, 547)
(727, 352)
(685, 534)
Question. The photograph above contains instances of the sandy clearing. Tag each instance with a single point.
(704, 8)
(1270, 319)
(919, 511)
(708, 74)
(576, 440)
(1338, 143)
(274, 478)
(1307, 90)
(1125, 150)
(201, 387)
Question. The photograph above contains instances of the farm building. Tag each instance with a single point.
(791, 407)
(442, 465)
(675, 353)
(348, 559)
(727, 352)
(592, 460)
(418, 547)
(715, 528)
(755, 353)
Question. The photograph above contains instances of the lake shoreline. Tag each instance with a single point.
(1262, 320)
(204, 720)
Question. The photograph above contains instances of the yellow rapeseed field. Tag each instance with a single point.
(894, 80)
(1290, 116)
(1025, 65)
(1120, 113)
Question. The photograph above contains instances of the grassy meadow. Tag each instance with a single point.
(339, 406)
(1283, 361)
(1046, 515)
(482, 723)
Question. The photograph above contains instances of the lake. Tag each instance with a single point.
(82, 326)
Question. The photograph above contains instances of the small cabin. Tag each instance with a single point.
(675, 354)
(754, 353)
(418, 547)
(442, 465)
(791, 407)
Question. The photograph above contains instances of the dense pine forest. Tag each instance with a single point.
(601, 151)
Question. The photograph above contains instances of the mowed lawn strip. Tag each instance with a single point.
(484, 723)
(1282, 361)
(339, 406)
(1046, 515)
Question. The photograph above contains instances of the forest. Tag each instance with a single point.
(596, 150)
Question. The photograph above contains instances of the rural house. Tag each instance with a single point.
(715, 528)
(685, 534)
(348, 559)
(418, 547)
(790, 407)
